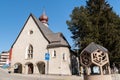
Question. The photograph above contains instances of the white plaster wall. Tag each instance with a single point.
(36, 39)
(56, 64)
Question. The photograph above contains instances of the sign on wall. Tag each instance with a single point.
(47, 56)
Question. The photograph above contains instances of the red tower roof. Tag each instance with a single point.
(43, 18)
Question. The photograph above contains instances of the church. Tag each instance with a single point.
(38, 50)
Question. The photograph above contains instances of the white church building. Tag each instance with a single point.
(35, 40)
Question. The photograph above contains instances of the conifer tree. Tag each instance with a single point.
(96, 22)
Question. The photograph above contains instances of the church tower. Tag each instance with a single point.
(44, 19)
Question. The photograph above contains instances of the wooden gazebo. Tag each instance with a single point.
(94, 58)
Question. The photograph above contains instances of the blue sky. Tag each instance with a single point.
(14, 13)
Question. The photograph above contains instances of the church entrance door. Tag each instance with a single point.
(41, 67)
(30, 68)
(18, 68)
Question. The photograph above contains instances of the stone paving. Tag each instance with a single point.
(4, 75)
(115, 76)
(45, 77)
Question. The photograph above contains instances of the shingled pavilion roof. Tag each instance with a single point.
(93, 46)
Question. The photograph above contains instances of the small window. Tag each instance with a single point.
(31, 32)
(54, 53)
(64, 57)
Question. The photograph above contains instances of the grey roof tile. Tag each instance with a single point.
(55, 39)
(92, 47)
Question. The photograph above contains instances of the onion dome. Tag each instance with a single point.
(43, 18)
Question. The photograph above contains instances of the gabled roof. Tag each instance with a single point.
(54, 39)
(92, 47)
(57, 40)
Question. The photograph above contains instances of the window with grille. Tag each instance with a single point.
(29, 53)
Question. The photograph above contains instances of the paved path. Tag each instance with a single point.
(115, 76)
(44, 77)
(4, 75)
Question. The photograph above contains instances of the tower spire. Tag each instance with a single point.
(44, 10)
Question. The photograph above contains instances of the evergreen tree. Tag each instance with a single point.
(96, 22)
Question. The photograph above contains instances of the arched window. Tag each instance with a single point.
(29, 53)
